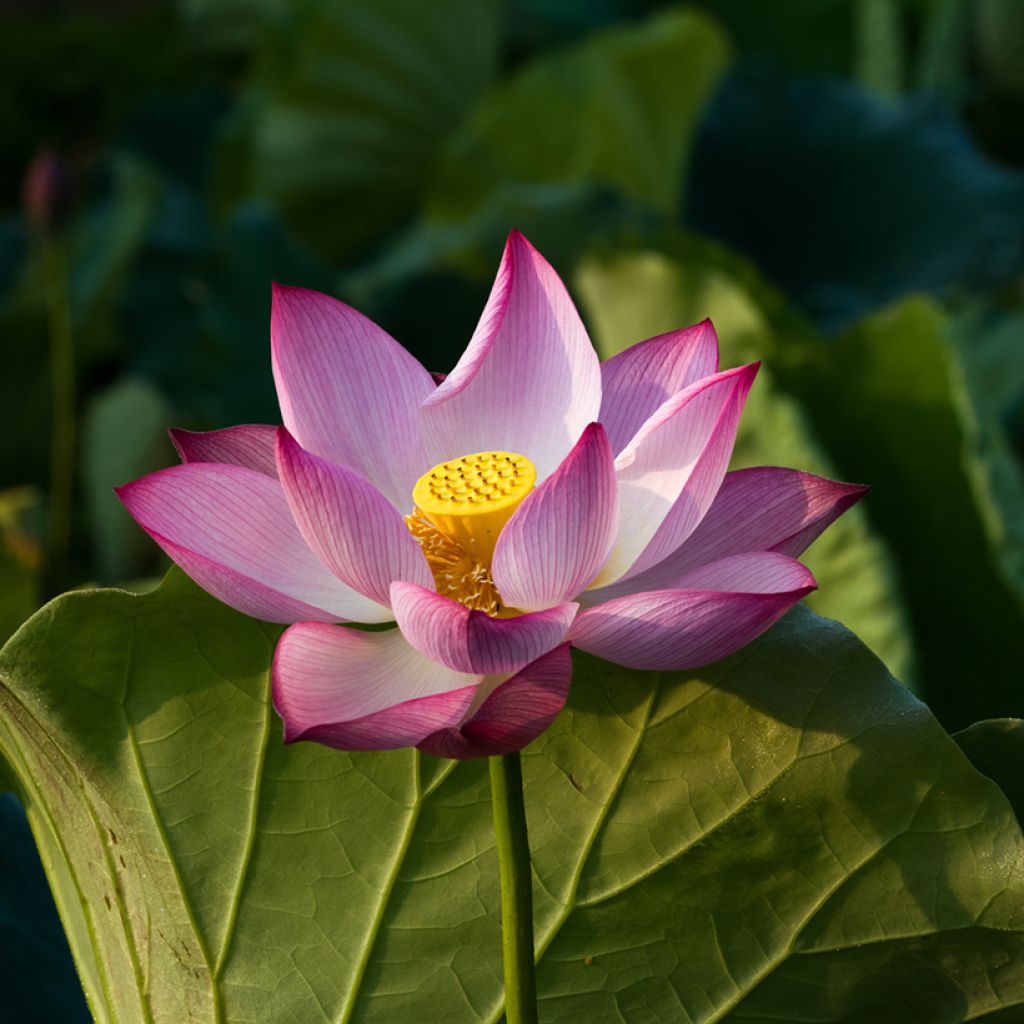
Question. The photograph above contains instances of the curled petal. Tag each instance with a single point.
(230, 529)
(669, 473)
(363, 691)
(715, 610)
(251, 446)
(558, 539)
(529, 381)
(635, 382)
(765, 508)
(516, 712)
(356, 531)
(471, 641)
(348, 391)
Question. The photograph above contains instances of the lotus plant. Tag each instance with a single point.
(532, 501)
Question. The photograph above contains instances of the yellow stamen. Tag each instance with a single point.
(461, 507)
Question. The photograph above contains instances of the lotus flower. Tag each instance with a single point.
(533, 500)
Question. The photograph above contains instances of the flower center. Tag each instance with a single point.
(460, 508)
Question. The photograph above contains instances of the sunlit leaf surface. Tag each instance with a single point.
(788, 825)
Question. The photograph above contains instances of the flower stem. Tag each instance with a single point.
(516, 889)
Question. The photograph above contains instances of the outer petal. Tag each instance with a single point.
(560, 536)
(669, 473)
(471, 641)
(230, 529)
(348, 391)
(529, 381)
(251, 445)
(515, 713)
(765, 508)
(363, 691)
(717, 609)
(635, 382)
(355, 530)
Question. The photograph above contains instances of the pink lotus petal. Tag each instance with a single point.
(529, 381)
(251, 446)
(721, 608)
(356, 531)
(635, 382)
(558, 539)
(670, 471)
(230, 529)
(471, 641)
(363, 691)
(348, 391)
(515, 713)
(765, 508)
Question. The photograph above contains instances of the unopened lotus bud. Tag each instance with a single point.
(47, 191)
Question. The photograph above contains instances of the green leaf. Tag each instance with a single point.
(880, 46)
(633, 294)
(348, 106)
(619, 109)
(711, 847)
(124, 438)
(996, 749)
(987, 381)
(884, 399)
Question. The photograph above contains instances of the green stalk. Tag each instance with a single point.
(62, 396)
(516, 889)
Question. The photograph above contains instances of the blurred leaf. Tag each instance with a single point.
(996, 749)
(805, 35)
(196, 310)
(1000, 34)
(346, 109)
(125, 436)
(634, 295)
(232, 25)
(944, 48)
(427, 289)
(37, 974)
(848, 201)
(109, 237)
(21, 556)
(879, 62)
(882, 400)
(73, 72)
(99, 247)
(619, 108)
(987, 377)
(720, 842)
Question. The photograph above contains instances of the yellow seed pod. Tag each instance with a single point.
(471, 498)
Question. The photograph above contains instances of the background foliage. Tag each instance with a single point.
(839, 184)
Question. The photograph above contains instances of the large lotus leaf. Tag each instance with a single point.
(884, 400)
(712, 846)
(619, 108)
(630, 295)
(996, 749)
(348, 105)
